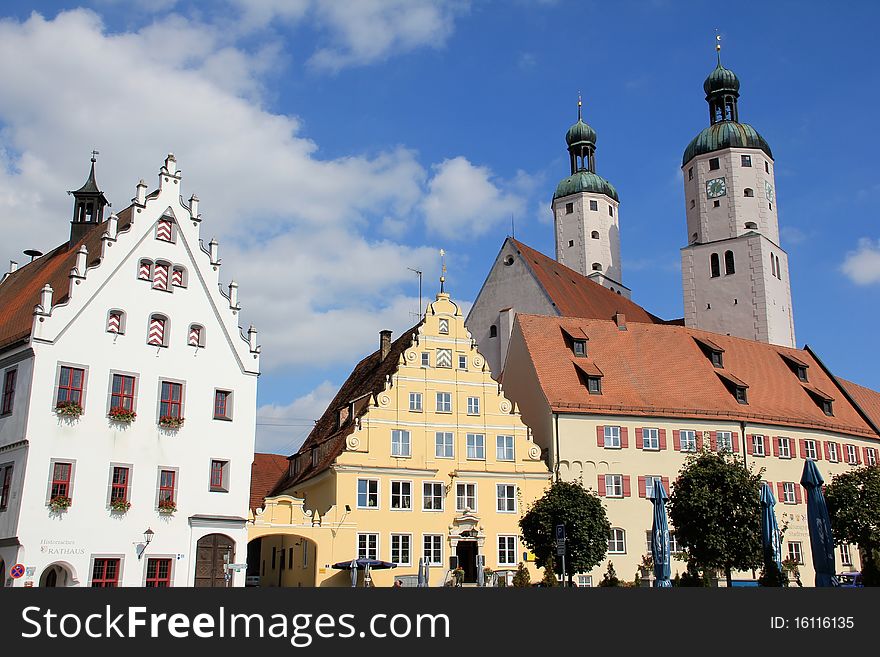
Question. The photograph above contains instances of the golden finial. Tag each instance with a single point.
(442, 269)
(718, 45)
(579, 105)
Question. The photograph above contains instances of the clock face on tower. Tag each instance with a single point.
(768, 190)
(715, 188)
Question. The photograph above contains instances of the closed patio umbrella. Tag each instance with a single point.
(367, 581)
(660, 538)
(819, 523)
(354, 574)
(421, 580)
(481, 576)
(770, 530)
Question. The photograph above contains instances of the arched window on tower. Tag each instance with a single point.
(778, 269)
(493, 331)
(595, 234)
(728, 263)
(597, 266)
(714, 266)
(748, 192)
(772, 265)
(751, 225)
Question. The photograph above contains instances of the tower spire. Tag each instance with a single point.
(718, 45)
(580, 103)
(442, 270)
(88, 205)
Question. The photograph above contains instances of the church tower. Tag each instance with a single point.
(735, 274)
(585, 217)
(88, 206)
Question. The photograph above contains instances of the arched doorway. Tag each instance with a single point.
(213, 552)
(55, 575)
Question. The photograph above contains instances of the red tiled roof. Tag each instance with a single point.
(328, 436)
(266, 471)
(867, 399)
(577, 296)
(660, 370)
(20, 292)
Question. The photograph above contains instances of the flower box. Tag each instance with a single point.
(69, 409)
(120, 506)
(170, 422)
(60, 503)
(167, 506)
(120, 414)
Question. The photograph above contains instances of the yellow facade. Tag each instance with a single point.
(439, 465)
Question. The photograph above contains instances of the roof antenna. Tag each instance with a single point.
(418, 314)
(33, 253)
(95, 153)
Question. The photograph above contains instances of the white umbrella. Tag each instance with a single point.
(354, 573)
(367, 574)
(421, 572)
(481, 576)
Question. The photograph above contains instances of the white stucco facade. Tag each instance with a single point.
(220, 362)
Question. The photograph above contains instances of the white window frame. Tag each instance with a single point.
(357, 545)
(436, 547)
(504, 445)
(870, 456)
(507, 548)
(476, 446)
(758, 440)
(845, 555)
(459, 497)
(399, 548)
(687, 440)
(404, 494)
(473, 405)
(833, 453)
(358, 493)
(433, 496)
(584, 581)
(613, 482)
(650, 481)
(852, 454)
(441, 448)
(616, 538)
(727, 436)
(650, 438)
(796, 552)
(507, 500)
(401, 443)
(462, 362)
(612, 437)
(811, 450)
(789, 496)
(426, 359)
(784, 447)
(415, 402)
(444, 402)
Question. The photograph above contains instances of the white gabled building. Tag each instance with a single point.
(127, 316)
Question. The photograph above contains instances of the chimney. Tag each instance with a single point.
(384, 344)
(141, 195)
(620, 320)
(13, 266)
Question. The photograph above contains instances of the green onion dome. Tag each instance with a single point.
(579, 133)
(721, 80)
(585, 181)
(725, 134)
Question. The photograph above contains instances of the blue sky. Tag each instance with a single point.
(334, 144)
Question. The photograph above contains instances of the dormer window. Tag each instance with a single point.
(712, 351)
(579, 347)
(590, 376)
(823, 400)
(740, 395)
(797, 366)
(736, 387)
(801, 372)
(594, 385)
(576, 340)
(826, 407)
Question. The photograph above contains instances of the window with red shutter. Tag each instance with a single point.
(119, 484)
(639, 438)
(60, 486)
(70, 385)
(626, 486)
(171, 401)
(734, 441)
(662, 436)
(601, 485)
(600, 436)
(122, 392)
(642, 486)
(167, 483)
(676, 440)
(624, 437)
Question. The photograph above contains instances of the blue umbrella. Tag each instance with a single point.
(821, 538)
(770, 529)
(660, 538)
(421, 572)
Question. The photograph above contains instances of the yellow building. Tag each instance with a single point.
(420, 454)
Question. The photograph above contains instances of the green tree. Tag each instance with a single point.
(521, 578)
(715, 508)
(610, 577)
(549, 578)
(586, 527)
(853, 500)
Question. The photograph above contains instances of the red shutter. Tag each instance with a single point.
(802, 448)
(662, 439)
(818, 449)
(750, 448)
(713, 441)
(780, 491)
(827, 450)
(642, 487)
(676, 440)
(797, 494)
(639, 440)
(734, 440)
(665, 481)
(624, 437)
(775, 441)
(626, 487)
(865, 449)
(600, 436)
(601, 485)
(699, 435)
(858, 456)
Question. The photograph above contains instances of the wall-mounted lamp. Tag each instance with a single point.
(347, 508)
(148, 538)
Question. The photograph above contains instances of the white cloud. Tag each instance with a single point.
(463, 201)
(793, 235)
(862, 266)
(282, 429)
(288, 222)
